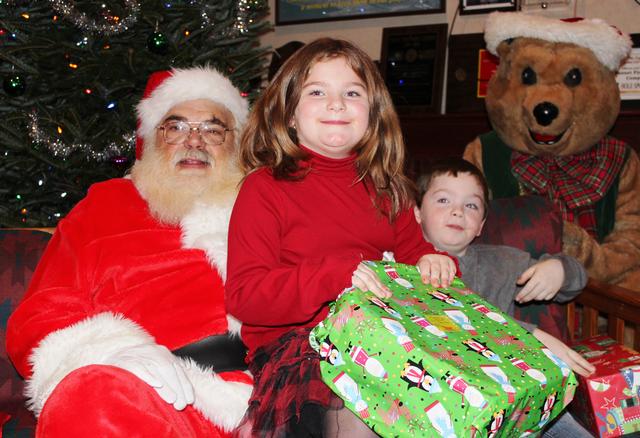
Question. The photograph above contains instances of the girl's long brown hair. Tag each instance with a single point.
(269, 141)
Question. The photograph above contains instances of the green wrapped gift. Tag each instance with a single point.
(438, 362)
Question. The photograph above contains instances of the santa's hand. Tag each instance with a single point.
(542, 281)
(366, 280)
(158, 367)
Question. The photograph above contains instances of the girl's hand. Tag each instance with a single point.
(365, 279)
(437, 270)
(572, 358)
(542, 281)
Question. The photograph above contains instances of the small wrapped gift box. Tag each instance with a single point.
(607, 401)
(438, 362)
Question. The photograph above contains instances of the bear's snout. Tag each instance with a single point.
(545, 113)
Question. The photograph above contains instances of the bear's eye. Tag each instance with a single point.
(529, 76)
(573, 78)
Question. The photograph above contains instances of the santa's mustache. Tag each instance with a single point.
(192, 154)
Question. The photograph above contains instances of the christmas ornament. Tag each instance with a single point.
(158, 43)
(14, 85)
(120, 161)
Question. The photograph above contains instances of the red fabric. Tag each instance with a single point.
(530, 223)
(293, 246)
(4, 417)
(533, 224)
(84, 401)
(109, 254)
(153, 82)
(574, 182)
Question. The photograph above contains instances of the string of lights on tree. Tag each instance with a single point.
(72, 72)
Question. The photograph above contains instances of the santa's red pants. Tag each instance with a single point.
(104, 401)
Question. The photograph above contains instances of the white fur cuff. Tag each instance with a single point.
(94, 339)
(87, 342)
(221, 402)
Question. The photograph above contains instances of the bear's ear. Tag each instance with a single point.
(504, 48)
(503, 51)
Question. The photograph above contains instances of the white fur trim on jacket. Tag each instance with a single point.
(223, 403)
(93, 340)
(206, 227)
(607, 43)
(190, 84)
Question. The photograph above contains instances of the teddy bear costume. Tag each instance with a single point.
(114, 280)
(551, 103)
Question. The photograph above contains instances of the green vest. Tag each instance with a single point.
(496, 163)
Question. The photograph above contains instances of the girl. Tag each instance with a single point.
(325, 190)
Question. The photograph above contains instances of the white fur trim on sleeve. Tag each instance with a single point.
(206, 227)
(94, 339)
(223, 403)
(608, 44)
(87, 342)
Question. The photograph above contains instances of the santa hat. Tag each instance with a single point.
(165, 89)
(607, 43)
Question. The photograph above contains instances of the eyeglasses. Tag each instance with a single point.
(177, 131)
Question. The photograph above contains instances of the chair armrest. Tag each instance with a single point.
(606, 308)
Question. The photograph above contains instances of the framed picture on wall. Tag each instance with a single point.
(628, 78)
(306, 11)
(467, 75)
(485, 6)
(412, 64)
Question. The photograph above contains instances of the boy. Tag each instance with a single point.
(451, 207)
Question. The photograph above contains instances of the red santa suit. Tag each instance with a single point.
(112, 277)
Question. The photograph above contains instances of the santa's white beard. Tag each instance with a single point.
(171, 194)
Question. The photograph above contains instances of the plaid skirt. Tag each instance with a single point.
(289, 398)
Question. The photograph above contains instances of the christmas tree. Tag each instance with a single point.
(72, 73)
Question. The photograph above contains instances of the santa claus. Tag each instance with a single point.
(123, 330)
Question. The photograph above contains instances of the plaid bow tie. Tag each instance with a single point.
(574, 182)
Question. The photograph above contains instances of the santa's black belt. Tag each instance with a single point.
(222, 352)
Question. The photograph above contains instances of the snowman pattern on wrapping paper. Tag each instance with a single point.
(415, 373)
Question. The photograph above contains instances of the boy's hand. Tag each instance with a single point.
(572, 358)
(365, 279)
(437, 270)
(543, 281)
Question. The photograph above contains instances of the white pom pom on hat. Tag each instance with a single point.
(165, 89)
(608, 44)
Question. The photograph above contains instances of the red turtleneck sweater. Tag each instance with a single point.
(293, 246)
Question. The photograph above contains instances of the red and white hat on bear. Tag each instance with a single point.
(165, 89)
(608, 44)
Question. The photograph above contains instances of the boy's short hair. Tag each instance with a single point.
(451, 166)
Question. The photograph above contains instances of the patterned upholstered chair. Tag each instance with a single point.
(532, 224)
(20, 251)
